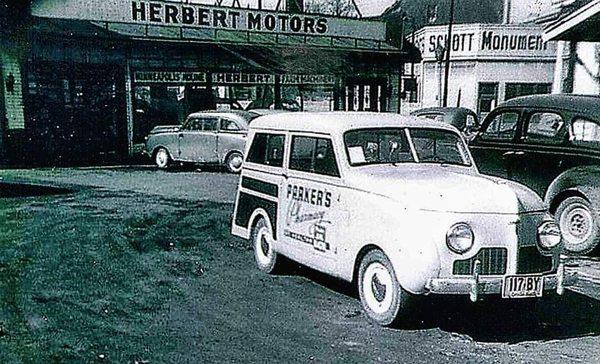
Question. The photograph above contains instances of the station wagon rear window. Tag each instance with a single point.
(267, 149)
(391, 145)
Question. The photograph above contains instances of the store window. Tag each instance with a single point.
(524, 89)
(487, 98)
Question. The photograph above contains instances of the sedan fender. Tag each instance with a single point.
(576, 181)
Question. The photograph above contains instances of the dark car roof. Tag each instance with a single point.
(452, 115)
(442, 110)
(589, 104)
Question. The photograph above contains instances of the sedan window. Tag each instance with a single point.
(503, 127)
(545, 127)
(585, 132)
(193, 124)
(229, 125)
(439, 146)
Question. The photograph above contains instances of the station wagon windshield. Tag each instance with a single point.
(391, 145)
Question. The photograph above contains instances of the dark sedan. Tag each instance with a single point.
(462, 118)
(550, 143)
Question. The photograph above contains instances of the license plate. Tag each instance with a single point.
(523, 286)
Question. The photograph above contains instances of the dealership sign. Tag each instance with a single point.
(485, 41)
(228, 78)
(178, 14)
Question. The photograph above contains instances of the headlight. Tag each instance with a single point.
(460, 238)
(549, 235)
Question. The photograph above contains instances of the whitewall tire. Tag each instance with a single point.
(234, 162)
(262, 241)
(162, 158)
(579, 225)
(381, 296)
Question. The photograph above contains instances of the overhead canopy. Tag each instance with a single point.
(582, 24)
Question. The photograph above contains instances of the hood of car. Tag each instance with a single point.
(446, 189)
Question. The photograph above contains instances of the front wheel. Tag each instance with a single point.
(381, 296)
(579, 225)
(234, 162)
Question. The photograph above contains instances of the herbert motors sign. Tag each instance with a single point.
(178, 14)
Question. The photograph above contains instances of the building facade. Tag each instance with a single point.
(489, 63)
(86, 81)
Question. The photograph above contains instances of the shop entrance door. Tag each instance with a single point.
(366, 95)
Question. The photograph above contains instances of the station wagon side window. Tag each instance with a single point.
(313, 155)
(545, 128)
(503, 127)
(193, 124)
(585, 132)
(229, 125)
(209, 124)
(267, 149)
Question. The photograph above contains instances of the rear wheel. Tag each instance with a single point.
(162, 159)
(579, 225)
(266, 258)
(381, 296)
(234, 162)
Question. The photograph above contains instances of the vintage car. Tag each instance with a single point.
(462, 118)
(551, 143)
(206, 137)
(394, 204)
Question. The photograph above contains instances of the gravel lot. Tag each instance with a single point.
(138, 265)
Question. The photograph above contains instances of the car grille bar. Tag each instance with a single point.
(530, 260)
(493, 262)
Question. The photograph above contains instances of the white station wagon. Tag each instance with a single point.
(394, 204)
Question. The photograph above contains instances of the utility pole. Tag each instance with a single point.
(448, 51)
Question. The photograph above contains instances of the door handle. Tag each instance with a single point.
(180, 135)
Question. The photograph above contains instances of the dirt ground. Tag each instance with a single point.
(132, 271)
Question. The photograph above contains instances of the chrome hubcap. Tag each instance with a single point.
(235, 163)
(378, 288)
(577, 224)
(162, 158)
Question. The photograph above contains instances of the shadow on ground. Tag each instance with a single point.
(494, 320)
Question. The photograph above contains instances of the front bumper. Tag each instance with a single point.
(475, 285)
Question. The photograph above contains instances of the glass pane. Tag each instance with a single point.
(544, 127)
(502, 127)
(274, 155)
(258, 149)
(439, 146)
(229, 125)
(194, 124)
(586, 132)
(377, 146)
(303, 149)
(325, 158)
(209, 124)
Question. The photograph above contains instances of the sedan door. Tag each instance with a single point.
(540, 152)
(198, 140)
(494, 147)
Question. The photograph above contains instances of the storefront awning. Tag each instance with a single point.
(582, 24)
(273, 54)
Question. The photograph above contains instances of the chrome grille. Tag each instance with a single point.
(530, 260)
(493, 262)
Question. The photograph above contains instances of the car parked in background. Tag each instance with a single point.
(206, 137)
(461, 118)
(396, 205)
(550, 143)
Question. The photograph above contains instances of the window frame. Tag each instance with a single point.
(489, 119)
(316, 137)
(268, 135)
(559, 138)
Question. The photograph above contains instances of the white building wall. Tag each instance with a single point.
(587, 69)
